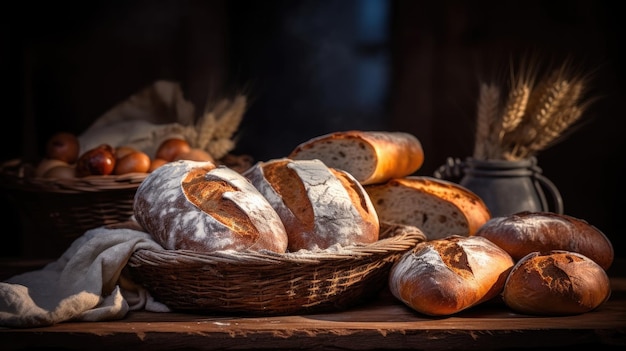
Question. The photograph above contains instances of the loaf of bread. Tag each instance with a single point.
(370, 156)
(438, 207)
(556, 283)
(525, 232)
(319, 206)
(197, 206)
(446, 276)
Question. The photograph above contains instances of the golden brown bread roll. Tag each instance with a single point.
(197, 206)
(446, 276)
(525, 232)
(438, 207)
(556, 283)
(370, 156)
(319, 206)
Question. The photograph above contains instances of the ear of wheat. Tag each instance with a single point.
(216, 129)
(535, 113)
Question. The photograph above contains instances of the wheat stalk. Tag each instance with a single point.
(487, 117)
(514, 108)
(220, 147)
(555, 129)
(215, 130)
(206, 128)
(230, 118)
(534, 116)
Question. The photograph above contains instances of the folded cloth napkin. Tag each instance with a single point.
(86, 283)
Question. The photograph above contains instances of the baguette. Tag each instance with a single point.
(439, 208)
(525, 232)
(370, 156)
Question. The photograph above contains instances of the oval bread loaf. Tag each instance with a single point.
(556, 283)
(319, 206)
(439, 208)
(446, 276)
(525, 232)
(370, 156)
(197, 206)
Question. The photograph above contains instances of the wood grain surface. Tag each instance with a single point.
(381, 324)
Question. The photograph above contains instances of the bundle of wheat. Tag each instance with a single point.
(534, 114)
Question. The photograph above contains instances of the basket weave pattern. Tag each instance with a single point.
(54, 212)
(265, 283)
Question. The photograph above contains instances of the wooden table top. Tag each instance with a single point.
(384, 323)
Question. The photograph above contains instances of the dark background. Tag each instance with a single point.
(313, 67)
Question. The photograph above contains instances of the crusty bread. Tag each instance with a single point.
(439, 208)
(446, 276)
(318, 205)
(525, 232)
(556, 283)
(197, 206)
(370, 156)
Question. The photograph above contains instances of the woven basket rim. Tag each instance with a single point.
(269, 283)
(19, 174)
(405, 238)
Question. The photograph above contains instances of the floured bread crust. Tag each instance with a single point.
(318, 205)
(446, 276)
(198, 206)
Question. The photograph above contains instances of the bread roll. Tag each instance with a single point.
(556, 283)
(318, 205)
(439, 208)
(197, 206)
(446, 276)
(525, 232)
(370, 156)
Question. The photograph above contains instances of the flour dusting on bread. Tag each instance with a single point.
(319, 206)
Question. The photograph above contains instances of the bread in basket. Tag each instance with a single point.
(267, 283)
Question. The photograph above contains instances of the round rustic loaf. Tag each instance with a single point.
(319, 206)
(197, 206)
(525, 232)
(445, 276)
(439, 208)
(556, 283)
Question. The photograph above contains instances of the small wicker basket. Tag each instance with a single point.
(254, 283)
(54, 212)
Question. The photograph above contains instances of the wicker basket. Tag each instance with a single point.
(253, 283)
(54, 212)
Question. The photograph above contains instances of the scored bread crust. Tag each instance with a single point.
(525, 232)
(446, 276)
(318, 205)
(197, 206)
(439, 208)
(556, 283)
(370, 156)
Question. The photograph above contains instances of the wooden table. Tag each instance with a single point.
(382, 324)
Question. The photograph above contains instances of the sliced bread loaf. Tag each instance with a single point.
(369, 156)
(439, 208)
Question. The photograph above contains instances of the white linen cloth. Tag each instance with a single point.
(86, 283)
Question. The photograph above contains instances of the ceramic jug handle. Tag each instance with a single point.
(546, 184)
